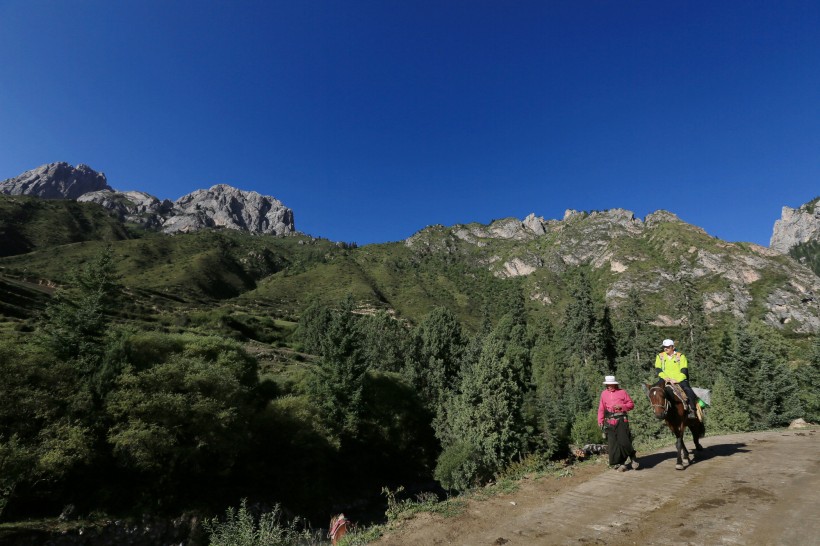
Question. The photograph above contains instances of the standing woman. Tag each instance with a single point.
(612, 410)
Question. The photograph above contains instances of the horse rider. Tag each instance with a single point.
(673, 367)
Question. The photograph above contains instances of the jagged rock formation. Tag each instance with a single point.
(132, 206)
(221, 206)
(652, 256)
(56, 181)
(228, 207)
(796, 226)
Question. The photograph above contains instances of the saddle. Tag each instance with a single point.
(678, 391)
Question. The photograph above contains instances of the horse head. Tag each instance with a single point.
(659, 401)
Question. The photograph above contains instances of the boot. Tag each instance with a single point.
(635, 464)
(693, 414)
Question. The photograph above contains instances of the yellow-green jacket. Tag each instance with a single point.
(672, 367)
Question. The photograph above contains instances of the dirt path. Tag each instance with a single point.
(758, 488)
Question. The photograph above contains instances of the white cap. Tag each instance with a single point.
(668, 343)
(610, 380)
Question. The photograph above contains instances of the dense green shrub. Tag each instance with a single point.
(458, 467)
(585, 429)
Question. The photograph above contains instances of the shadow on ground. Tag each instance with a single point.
(710, 452)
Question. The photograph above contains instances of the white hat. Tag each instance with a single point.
(610, 380)
(668, 343)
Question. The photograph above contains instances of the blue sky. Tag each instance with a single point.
(373, 119)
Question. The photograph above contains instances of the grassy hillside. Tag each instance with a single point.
(29, 223)
(471, 269)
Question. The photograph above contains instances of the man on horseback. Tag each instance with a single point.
(673, 367)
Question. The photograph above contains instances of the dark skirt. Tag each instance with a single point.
(619, 442)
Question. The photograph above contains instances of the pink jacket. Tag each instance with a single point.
(609, 400)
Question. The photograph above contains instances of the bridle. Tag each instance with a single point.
(665, 405)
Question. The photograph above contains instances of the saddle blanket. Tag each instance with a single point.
(703, 394)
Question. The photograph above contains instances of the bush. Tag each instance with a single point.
(457, 467)
(585, 429)
(240, 528)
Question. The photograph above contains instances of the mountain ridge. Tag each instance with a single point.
(220, 206)
(436, 265)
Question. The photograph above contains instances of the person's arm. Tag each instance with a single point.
(684, 366)
(628, 404)
(601, 411)
(658, 366)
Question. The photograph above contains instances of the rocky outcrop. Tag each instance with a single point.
(132, 206)
(221, 206)
(56, 181)
(796, 226)
(227, 207)
(652, 256)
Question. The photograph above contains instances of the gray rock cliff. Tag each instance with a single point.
(132, 206)
(56, 181)
(227, 207)
(800, 225)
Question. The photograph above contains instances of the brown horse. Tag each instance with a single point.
(669, 407)
(339, 526)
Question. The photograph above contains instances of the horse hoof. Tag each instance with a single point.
(678, 467)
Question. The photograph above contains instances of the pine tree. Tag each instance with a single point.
(337, 384)
(312, 325)
(75, 321)
(808, 380)
(486, 413)
(583, 332)
(383, 340)
(434, 356)
(635, 342)
(779, 394)
(741, 362)
(765, 386)
(584, 343)
(726, 413)
(695, 337)
(551, 416)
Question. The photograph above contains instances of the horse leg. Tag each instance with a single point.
(687, 457)
(679, 446)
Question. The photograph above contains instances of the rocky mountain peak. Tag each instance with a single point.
(56, 181)
(221, 206)
(227, 207)
(796, 226)
(131, 206)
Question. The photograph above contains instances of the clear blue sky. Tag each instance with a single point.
(373, 119)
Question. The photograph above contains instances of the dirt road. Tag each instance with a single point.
(758, 488)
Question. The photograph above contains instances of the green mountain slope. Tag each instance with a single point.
(29, 223)
(472, 269)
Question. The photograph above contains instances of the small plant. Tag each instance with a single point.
(241, 528)
(394, 507)
(424, 502)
